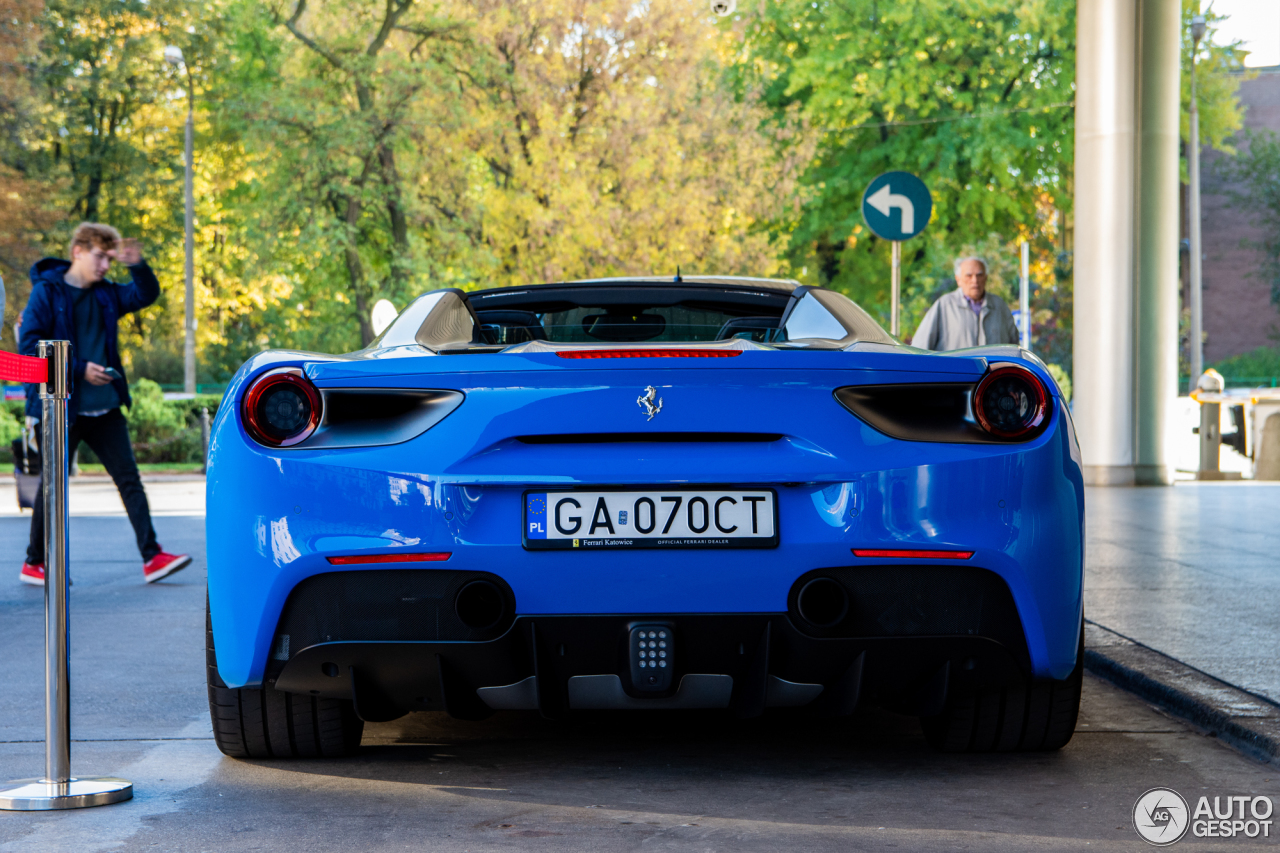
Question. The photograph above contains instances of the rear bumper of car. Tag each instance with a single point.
(398, 640)
(741, 662)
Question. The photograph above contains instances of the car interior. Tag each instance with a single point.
(628, 314)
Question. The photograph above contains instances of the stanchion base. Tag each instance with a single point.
(37, 795)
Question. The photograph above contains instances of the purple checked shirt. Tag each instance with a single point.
(976, 306)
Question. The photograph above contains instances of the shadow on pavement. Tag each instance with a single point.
(511, 748)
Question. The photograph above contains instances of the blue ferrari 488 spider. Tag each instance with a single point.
(711, 492)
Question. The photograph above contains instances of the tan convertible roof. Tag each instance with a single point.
(785, 285)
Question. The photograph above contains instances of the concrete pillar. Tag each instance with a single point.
(1105, 173)
(1156, 303)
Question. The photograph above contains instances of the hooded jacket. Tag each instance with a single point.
(50, 316)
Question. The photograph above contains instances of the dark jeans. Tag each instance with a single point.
(108, 436)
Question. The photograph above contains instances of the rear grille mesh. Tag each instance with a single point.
(380, 605)
(920, 601)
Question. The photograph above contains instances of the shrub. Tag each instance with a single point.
(161, 431)
(1064, 381)
(1259, 364)
(10, 427)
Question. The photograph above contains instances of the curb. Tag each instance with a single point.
(1246, 721)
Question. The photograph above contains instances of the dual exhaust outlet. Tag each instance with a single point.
(822, 602)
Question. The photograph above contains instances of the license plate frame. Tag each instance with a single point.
(655, 541)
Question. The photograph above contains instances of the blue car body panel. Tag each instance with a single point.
(274, 516)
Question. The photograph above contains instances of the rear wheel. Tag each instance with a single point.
(269, 723)
(1039, 716)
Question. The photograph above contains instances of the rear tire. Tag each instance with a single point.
(1037, 716)
(269, 723)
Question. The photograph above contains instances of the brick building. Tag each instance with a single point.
(1238, 313)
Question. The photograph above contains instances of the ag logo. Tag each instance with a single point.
(1161, 817)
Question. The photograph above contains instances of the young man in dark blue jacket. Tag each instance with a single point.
(73, 301)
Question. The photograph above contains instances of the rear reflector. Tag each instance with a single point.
(912, 554)
(353, 559)
(649, 353)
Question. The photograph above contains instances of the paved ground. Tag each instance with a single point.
(169, 494)
(1192, 571)
(514, 782)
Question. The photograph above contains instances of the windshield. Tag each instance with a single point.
(628, 324)
(629, 313)
(644, 312)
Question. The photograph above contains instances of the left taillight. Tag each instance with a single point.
(1010, 402)
(281, 408)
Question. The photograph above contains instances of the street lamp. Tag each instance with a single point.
(1193, 173)
(173, 56)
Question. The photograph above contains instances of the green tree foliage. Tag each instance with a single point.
(1219, 70)
(974, 95)
(396, 148)
(351, 151)
(99, 137)
(333, 101)
(23, 211)
(611, 146)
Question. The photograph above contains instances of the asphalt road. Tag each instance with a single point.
(515, 782)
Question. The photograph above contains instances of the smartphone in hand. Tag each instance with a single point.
(113, 373)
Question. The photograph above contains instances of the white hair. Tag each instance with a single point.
(960, 262)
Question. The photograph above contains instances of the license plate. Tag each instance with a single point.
(651, 518)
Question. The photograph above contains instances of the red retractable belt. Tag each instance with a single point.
(23, 368)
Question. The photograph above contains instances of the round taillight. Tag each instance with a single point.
(281, 408)
(1010, 402)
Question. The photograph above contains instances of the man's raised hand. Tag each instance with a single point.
(127, 253)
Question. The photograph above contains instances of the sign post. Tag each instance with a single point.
(896, 207)
(57, 789)
(895, 289)
(1024, 298)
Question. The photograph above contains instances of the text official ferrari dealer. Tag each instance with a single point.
(723, 493)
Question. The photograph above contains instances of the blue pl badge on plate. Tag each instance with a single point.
(535, 516)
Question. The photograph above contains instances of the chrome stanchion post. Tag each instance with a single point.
(53, 447)
(58, 789)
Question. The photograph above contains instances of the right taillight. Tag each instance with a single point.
(281, 408)
(1010, 402)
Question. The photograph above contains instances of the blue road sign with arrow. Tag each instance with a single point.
(897, 206)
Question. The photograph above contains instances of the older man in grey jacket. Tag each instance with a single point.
(968, 316)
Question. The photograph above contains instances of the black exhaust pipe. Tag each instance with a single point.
(823, 603)
(480, 605)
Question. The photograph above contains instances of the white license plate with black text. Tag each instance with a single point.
(651, 518)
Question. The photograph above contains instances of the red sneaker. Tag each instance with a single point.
(164, 564)
(33, 575)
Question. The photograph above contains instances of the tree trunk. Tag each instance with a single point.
(349, 209)
(355, 271)
(92, 193)
(399, 222)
